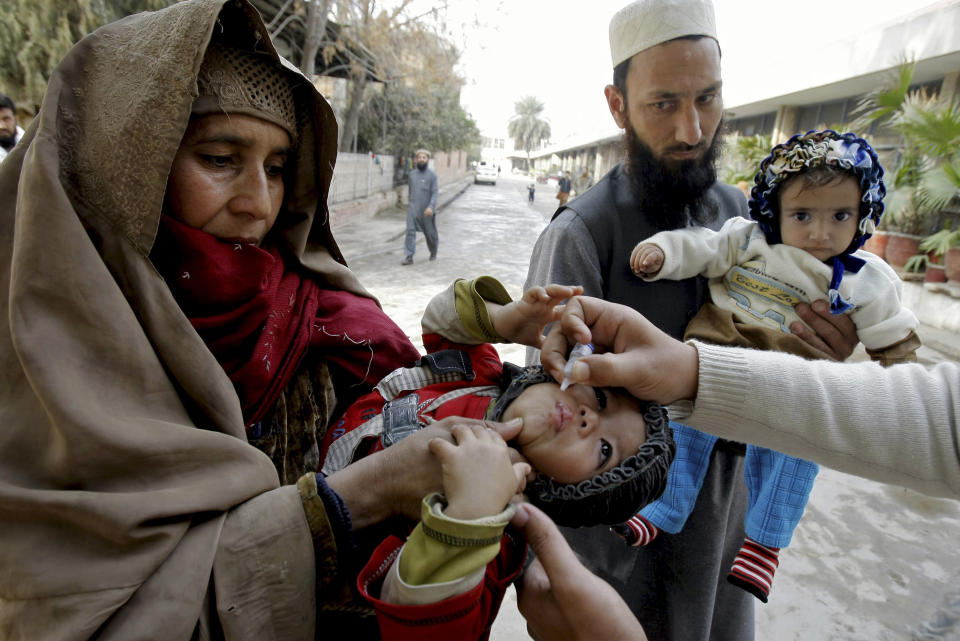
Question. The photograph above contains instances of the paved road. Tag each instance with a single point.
(868, 562)
(487, 230)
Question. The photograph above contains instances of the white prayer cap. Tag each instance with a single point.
(646, 23)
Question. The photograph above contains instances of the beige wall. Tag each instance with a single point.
(450, 166)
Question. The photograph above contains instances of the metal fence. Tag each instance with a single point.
(359, 176)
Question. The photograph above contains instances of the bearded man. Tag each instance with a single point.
(10, 131)
(421, 208)
(666, 96)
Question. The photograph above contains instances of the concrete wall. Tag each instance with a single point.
(938, 309)
(360, 176)
(449, 166)
(362, 187)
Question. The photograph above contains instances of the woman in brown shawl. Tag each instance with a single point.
(171, 295)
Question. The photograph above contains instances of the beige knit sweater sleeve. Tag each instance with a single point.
(898, 425)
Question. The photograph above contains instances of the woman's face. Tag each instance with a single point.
(227, 176)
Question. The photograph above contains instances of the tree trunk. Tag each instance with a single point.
(383, 119)
(350, 121)
(317, 11)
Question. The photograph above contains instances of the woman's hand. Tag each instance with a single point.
(562, 600)
(522, 321)
(394, 481)
(630, 351)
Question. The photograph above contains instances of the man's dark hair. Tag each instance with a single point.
(620, 78)
(7, 103)
(620, 71)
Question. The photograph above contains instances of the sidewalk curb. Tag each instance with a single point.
(453, 190)
(938, 310)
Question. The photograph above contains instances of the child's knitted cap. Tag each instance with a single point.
(612, 496)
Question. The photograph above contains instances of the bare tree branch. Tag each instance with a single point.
(291, 18)
(277, 16)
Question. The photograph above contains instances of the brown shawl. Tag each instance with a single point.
(114, 506)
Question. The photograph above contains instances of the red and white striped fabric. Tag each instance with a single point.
(637, 531)
(754, 567)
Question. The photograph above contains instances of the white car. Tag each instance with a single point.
(485, 174)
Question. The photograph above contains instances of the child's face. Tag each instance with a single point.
(821, 220)
(227, 176)
(574, 435)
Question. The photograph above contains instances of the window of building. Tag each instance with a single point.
(753, 125)
(833, 114)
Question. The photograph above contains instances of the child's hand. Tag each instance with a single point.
(478, 477)
(646, 259)
(522, 321)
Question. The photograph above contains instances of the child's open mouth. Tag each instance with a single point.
(561, 415)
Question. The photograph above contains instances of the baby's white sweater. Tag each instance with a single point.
(761, 283)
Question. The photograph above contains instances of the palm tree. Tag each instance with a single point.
(526, 127)
(933, 126)
(743, 156)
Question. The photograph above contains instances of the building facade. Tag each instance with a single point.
(817, 89)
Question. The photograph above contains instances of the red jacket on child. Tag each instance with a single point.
(460, 618)
(452, 380)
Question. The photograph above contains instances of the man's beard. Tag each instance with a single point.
(421, 166)
(7, 141)
(672, 194)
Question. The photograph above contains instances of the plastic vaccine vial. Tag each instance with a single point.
(579, 351)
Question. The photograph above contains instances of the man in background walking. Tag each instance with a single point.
(422, 208)
(563, 188)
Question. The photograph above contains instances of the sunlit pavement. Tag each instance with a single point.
(487, 230)
(868, 562)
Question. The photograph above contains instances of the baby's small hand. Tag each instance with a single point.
(478, 477)
(522, 321)
(646, 259)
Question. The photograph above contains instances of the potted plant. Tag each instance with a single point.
(877, 243)
(945, 244)
(917, 267)
(951, 264)
(742, 157)
(926, 179)
(906, 224)
(935, 273)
